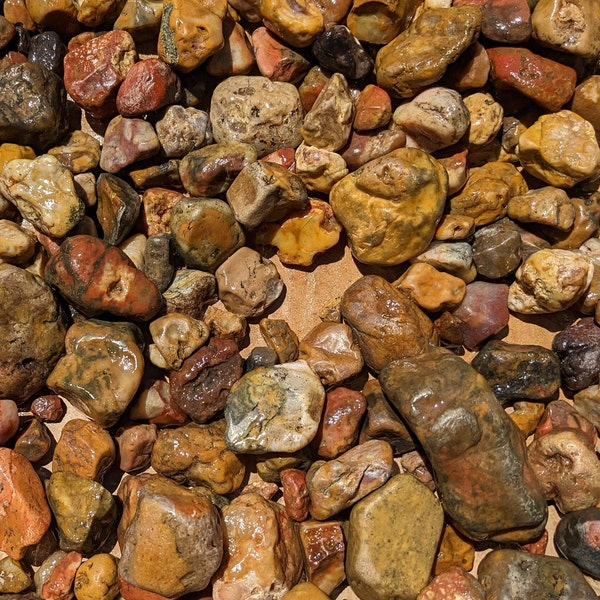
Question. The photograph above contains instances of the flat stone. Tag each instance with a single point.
(118, 207)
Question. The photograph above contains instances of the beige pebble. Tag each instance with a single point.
(17, 245)
(486, 118)
(546, 206)
(319, 169)
(586, 101)
(225, 324)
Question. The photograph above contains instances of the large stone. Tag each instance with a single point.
(486, 483)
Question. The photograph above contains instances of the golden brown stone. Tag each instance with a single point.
(96, 578)
(296, 22)
(381, 21)
(527, 415)
(454, 550)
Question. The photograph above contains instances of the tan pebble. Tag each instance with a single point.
(454, 227)
(17, 245)
(485, 118)
(305, 591)
(319, 169)
(546, 206)
(79, 152)
(225, 324)
(586, 101)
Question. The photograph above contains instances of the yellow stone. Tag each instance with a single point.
(9, 151)
(298, 22)
(527, 415)
(454, 550)
(97, 578)
(305, 591)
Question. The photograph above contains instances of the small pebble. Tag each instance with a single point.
(9, 420)
(96, 578)
(34, 441)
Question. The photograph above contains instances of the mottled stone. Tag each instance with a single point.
(162, 175)
(509, 574)
(454, 227)
(436, 38)
(279, 336)
(275, 60)
(586, 100)
(369, 145)
(149, 85)
(373, 109)
(506, 21)
(25, 513)
(297, 23)
(155, 210)
(79, 152)
(453, 583)
(225, 324)
(141, 18)
(485, 118)
(94, 70)
(386, 322)
(127, 141)
(265, 191)
(454, 552)
(311, 86)
(303, 234)
(270, 466)
(295, 493)
(263, 557)
(9, 420)
(96, 578)
(468, 433)
(32, 327)
(54, 578)
(182, 130)
(497, 249)
(331, 352)
(197, 455)
(236, 57)
(545, 149)
(575, 538)
(550, 281)
(118, 207)
(34, 441)
(319, 169)
(101, 370)
(8, 151)
(172, 537)
(519, 371)
(134, 446)
(189, 33)
(377, 210)
(155, 405)
(379, 565)
(559, 414)
(190, 292)
(381, 21)
(257, 111)
(205, 232)
(526, 416)
(14, 577)
(451, 257)
(202, 384)
(44, 193)
(260, 356)
(33, 106)
(48, 408)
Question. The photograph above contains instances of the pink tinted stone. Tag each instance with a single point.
(373, 109)
(59, 584)
(285, 157)
(149, 85)
(127, 141)
(547, 82)
(48, 408)
(9, 420)
(295, 493)
(471, 72)
(339, 427)
(94, 70)
(483, 312)
(451, 584)
(561, 415)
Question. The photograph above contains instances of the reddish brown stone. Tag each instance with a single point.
(156, 210)
(96, 277)
(547, 82)
(286, 157)
(537, 546)
(295, 493)
(561, 415)
(59, 584)
(154, 404)
(149, 85)
(453, 583)
(373, 109)
(48, 408)
(131, 592)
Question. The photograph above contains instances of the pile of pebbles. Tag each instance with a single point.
(175, 176)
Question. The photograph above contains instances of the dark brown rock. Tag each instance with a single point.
(34, 441)
(117, 209)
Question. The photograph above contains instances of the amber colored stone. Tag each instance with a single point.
(454, 550)
(34, 441)
(373, 109)
(279, 336)
(275, 60)
(526, 416)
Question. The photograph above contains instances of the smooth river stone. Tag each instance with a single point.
(576, 538)
(9, 420)
(96, 578)
(386, 323)
(508, 574)
(96, 277)
(257, 111)
(54, 579)
(339, 483)
(172, 538)
(182, 130)
(380, 565)
(262, 552)
(420, 55)
(487, 486)
(101, 370)
(23, 507)
(44, 193)
(274, 409)
(391, 206)
(32, 333)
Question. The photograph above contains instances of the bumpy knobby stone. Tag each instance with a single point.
(468, 433)
(257, 111)
(509, 574)
(575, 538)
(190, 292)
(485, 118)
(379, 212)
(248, 283)
(44, 193)
(295, 493)
(23, 507)
(95, 277)
(550, 281)
(586, 100)
(134, 444)
(205, 232)
(197, 455)
(263, 557)
(455, 582)
(32, 332)
(436, 38)
(519, 371)
(84, 511)
(33, 106)
(101, 370)
(545, 149)
(79, 152)
(339, 483)
(155, 211)
(118, 207)
(274, 409)
(547, 205)
(182, 130)
(319, 169)
(298, 23)
(386, 322)
(96, 578)
(279, 336)
(265, 191)
(381, 566)
(172, 540)
(201, 386)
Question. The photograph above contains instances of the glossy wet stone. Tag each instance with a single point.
(101, 370)
(497, 249)
(225, 324)
(305, 591)
(79, 152)
(509, 574)
(118, 207)
(379, 566)
(201, 386)
(197, 455)
(575, 538)
(235, 57)
(14, 576)
(9, 420)
(96, 277)
(275, 60)
(451, 435)
(96, 578)
(190, 292)
(23, 507)
(454, 552)
(319, 169)
(155, 210)
(386, 322)
(33, 106)
(279, 336)
(373, 109)
(154, 403)
(519, 371)
(205, 232)
(185, 546)
(274, 409)
(48, 408)
(298, 23)
(33, 328)
(54, 578)
(163, 174)
(360, 200)
(559, 414)
(455, 582)
(368, 145)
(262, 551)
(337, 484)
(134, 445)
(34, 441)
(379, 22)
